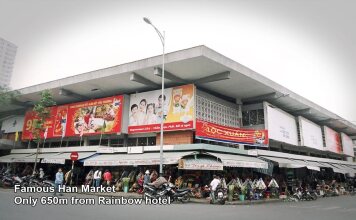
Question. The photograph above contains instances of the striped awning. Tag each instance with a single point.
(235, 160)
(135, 159)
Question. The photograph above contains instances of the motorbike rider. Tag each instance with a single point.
(146, 178)
(213, 185)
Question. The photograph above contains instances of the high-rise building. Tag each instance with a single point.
(7, 59)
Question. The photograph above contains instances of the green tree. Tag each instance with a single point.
(7, 95)
(42, 112)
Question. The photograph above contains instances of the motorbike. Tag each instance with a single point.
(181, 195)
(220, 195)
(151, 191)
(7, 181)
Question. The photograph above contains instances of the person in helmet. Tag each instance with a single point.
(146, 178)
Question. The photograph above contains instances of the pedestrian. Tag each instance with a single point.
(97, 177)
(107, 177)
(146, 178)
(58, 181)
(42, 174)
(89, 178)
(213, 185)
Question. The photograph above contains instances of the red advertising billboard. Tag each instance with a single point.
(215, 132)
(332, 140)
(146, 110)
(84, 118)
(95, 117)
(30, 121)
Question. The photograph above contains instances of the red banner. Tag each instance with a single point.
(95, 117)
(215, 132)
(30, 121)
(83, 118)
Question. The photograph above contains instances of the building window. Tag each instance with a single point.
(142, 141)
(253, 117)
(151, 141)
(116, 142)
(132, 142)
(210, 111)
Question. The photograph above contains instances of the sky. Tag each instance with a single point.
(308, 46)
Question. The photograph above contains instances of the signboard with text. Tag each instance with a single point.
(215, 132)
(84, 118)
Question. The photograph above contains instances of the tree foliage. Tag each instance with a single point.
(42, 111)
(7, 95)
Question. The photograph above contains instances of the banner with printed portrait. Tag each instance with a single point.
(178, 110)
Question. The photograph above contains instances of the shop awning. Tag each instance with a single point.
(234, 160)
(60, 158)
(200, 164)
(284, 162)
(17, 158)
(345, 169)
(334, 168)
(308, 165)
(135, 159)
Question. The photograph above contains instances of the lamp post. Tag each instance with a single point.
(162, 38)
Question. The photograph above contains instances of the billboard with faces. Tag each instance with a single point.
(175, 108)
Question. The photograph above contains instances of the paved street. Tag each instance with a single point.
(342, 208)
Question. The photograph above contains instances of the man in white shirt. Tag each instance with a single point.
(214, 183)
(97, 178)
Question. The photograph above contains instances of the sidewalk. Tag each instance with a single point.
(131, 195)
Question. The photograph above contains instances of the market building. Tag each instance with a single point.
(218, 115)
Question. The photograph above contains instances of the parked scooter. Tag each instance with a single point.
(220, 196)
(181, 195)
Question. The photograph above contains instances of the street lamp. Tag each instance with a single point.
(162, 38)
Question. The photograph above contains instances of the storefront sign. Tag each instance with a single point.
(211, 131)
(146, 110)
(332, 140)
(199, 164)
(135, 150)
(129, 162)
(83, 118)
(105, 150)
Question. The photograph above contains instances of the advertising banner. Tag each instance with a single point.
(83, 118)
(94, 116)
(332, 140)
(310, 134)
(215, 132)
(281, 126)
(146, 110)
(30, 122)
(347, 145)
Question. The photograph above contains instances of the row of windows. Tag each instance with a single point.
(211, 111)
(142, 141)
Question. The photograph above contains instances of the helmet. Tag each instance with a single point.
(147, 172)
(41, 169)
